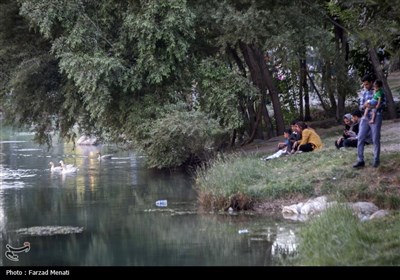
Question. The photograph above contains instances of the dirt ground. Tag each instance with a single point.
(394, 82)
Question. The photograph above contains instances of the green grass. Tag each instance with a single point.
(249, 178)
(338, 238)
(328, 171)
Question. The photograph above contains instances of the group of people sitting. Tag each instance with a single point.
(362, 127)
(300, 138)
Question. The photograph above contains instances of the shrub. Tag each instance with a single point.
(177, 140)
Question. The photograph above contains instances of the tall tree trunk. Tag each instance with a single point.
(340, 67)
(327, 77)
(262, 78)
(233, 138)
(273, 91)
(243, 103)
(237, 59)
(318, 94)
(252, 117)
(257, 80)
(257, 133)
(267, 119)
(304, 86)
(381, 76)
(301, 101)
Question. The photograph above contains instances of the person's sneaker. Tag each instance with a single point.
(376, 164)
(359, 164)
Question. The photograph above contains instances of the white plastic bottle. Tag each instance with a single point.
(162, 203)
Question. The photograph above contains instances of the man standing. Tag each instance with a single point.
(367, 128)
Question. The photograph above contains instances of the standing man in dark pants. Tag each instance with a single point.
(366, 128)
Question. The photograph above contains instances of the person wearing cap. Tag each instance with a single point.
(347, 125)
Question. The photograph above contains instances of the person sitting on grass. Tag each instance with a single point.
(347, 125)
(310, 140)
(291, 136)
(286, 135)
(351, 140)
(294, 136)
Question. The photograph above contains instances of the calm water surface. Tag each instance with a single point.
(114, 202)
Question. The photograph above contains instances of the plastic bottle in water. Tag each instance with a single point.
(243, 231)
(162, 203)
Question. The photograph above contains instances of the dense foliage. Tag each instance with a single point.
(159, 74)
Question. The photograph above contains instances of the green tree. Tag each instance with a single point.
(127, 63)
(124, 69)
(372, 25)
(31, 88)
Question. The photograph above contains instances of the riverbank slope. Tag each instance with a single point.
(242, 181)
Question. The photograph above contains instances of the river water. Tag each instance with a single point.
(111, 205)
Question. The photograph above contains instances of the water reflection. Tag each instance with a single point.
(114, 201)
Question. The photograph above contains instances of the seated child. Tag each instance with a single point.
(286, 135)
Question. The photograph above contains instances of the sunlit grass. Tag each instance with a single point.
(338, 238)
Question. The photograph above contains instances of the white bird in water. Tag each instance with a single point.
(55, 168)
(103, 157)
(69, 168)
(66, 166)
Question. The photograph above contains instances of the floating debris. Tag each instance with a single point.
(162, 203)
(49, 230)
(159, 210)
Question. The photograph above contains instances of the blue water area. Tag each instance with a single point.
(113, 201)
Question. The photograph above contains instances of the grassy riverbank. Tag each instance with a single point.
(336, 237)
(339, 238)
(243, 181)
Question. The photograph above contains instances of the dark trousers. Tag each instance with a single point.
(340, 143)
(306, 147)
(350, 143)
